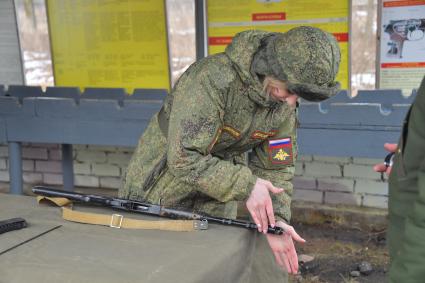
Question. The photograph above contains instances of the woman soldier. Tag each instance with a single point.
(192, 154)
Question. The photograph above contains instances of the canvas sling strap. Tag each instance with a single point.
(119, 221)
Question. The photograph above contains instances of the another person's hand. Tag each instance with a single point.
(381, 167)
(259, 204)
(283, 247)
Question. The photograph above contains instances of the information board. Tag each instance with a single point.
(228, 17)
(402, 45)
(109, 43)
(11, 71)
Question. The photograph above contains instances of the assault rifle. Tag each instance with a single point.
(402, 30)
(146, 208)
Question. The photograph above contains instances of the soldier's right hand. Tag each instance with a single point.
(259, 204)
(283, 247)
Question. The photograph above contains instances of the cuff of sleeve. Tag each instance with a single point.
(251, 183)
(243, 188)
(248, 187)
(283, 214)
(279, 218)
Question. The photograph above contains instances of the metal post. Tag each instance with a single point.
(15, 168)
(200, 29)
(67, 167)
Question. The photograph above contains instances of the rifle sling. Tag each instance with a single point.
(119, 221)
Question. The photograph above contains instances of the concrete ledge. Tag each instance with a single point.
(364, 218)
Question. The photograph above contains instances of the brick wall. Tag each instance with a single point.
(94, 166)
(345, 180)
(325, 180)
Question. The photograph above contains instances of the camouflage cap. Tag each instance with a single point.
(307, 59)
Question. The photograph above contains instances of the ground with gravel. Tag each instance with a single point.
(342, 254)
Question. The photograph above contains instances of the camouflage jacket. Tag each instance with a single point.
(216, 113)
(406, 209)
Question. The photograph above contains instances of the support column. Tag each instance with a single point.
(200, 29)
(67, 167)
(15, 168)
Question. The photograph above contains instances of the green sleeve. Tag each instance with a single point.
(195, 125)
(263, 164)
(408, 265)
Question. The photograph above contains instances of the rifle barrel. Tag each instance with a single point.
(49, 192)
(249, 225)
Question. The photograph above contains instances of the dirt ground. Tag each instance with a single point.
(338, 251)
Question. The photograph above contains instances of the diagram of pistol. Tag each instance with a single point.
(402, 30)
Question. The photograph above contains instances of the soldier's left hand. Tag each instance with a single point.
(381, 167)
(283, 247)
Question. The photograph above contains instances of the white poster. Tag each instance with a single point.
(403, 34)
(402, 45)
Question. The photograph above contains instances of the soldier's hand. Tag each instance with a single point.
(381, 167)
(283, 247)
(259, 204)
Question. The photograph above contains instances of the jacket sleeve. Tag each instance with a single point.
(273, 160)
(408, 265)
(195, 126)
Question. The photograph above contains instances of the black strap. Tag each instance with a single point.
(163, 122)
(160, 166)
(154, 174)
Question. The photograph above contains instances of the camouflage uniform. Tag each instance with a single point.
(193, 152)
(407, 198)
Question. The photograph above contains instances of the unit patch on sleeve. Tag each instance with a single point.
(280, 151)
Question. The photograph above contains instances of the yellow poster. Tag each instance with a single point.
(228, 17)
(109, 43)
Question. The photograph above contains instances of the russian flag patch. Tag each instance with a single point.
(280, 151)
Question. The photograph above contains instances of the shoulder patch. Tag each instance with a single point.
(232, 131)
(280, 151)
